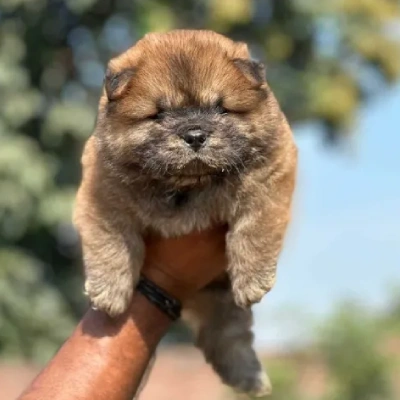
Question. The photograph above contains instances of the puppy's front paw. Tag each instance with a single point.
(112, 298)
(248, 290)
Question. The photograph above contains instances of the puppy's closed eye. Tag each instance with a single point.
(158, 115)
(220, 108)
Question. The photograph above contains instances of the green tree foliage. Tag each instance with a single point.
(350, 345)
(323, 58)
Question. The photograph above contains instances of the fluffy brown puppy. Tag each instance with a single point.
(189, 135)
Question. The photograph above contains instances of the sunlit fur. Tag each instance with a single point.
(140, 177)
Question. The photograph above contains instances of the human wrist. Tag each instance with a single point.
(148, 315)
(169, 284)
(168, 304)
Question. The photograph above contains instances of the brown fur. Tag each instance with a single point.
(140, 177)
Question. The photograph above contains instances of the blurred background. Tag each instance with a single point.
(331, 327)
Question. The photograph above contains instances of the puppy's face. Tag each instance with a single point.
(186, 106)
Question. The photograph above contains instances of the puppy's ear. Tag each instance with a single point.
(115, 83)
(242, 50)
(253, 70)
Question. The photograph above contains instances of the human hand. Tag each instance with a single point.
(181, 266)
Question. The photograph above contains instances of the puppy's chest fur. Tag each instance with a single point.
(178, 211)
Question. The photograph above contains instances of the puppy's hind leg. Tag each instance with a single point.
(223, 332)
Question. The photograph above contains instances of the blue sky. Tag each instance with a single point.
(344, 241)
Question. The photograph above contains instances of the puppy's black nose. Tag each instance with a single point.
(195, 138)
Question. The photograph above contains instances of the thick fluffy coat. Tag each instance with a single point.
(189, 135)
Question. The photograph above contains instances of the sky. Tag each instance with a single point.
(344, 241)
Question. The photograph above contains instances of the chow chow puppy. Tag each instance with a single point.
(189, 135)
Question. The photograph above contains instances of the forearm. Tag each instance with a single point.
(103, 359)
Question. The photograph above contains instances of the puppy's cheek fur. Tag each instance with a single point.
(130, 144)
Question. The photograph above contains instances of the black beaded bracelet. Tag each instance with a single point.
(169, 305)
